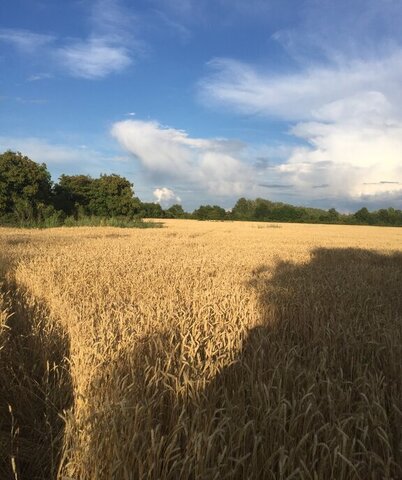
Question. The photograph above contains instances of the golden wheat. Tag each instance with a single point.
(202, 350)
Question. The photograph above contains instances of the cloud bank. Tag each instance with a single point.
(171, 154)
(344, 114)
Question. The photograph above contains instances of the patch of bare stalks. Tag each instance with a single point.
(202, 351)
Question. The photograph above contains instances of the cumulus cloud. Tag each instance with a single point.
(168, 153)
(345, 115)
(166, 195)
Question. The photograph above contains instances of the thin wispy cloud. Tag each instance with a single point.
(109, 47)
(25, 40)
(57, 156)
(94, 58)
(307, 94)
(39, 76)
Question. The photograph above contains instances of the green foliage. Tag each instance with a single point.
(175, 211)
(112, 195)
(210, 212)
(265, 210)
(108, 195)
(363, 216)
(25, 187)
(151, 210)
(72, 194)
(244, 209)
(121, 222)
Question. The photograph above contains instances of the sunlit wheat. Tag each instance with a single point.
(202, 350)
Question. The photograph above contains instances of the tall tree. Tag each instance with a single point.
(73, 193)
(112, 195)
(25, 186)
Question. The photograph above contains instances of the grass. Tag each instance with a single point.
(201, 351)
(85, 221)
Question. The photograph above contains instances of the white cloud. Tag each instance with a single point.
(39, 76)
(298, 95)
(214, 164)
(108, 48)
(58, 157)
(93, 58)
(25, 40)
(346, 114)
(166, 195)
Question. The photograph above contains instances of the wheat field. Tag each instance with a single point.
(202, 350)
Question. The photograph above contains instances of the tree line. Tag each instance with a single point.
(29, 197)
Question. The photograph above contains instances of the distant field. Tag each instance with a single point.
(202, 350)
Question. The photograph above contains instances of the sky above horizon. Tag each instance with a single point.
(205, 101)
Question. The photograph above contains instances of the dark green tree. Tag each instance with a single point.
(151, 210)
(175, 211)
(107, 196)
(112, 195)
(244, 209)
(73, 194)
(210, 212)
(333, 215)
(25, 186)
(363, 216)
(263, 209)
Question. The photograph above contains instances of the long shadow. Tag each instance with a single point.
(35, 389)
(315, 392)
(318, 386)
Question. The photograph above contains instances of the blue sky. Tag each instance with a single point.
(204, 101)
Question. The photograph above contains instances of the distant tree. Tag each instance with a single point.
(244, 209)
(176, 211)
(25, 186)
(262, 209)
(333, 213)
(210, 212)
(151, 210)
(363, 216)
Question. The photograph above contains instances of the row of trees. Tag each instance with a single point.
(27, 195)
(266, 210)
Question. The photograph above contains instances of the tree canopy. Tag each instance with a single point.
(25, 186)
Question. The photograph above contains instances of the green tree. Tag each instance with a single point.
(107, 196)
(151, 210)
(73, 194)
(363, 216)
(25, 186)
(244, 209)
(112, 195)
(333, 215)
(210, 212)
(176, 211)
(263, 209)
